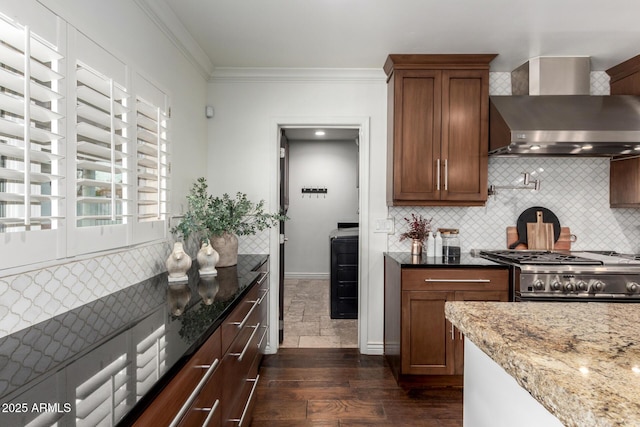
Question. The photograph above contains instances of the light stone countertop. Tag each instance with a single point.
(581, 361)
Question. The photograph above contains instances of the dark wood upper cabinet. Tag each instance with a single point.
(437, 129)
(624, 176)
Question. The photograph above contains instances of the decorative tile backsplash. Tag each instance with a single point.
(575, 189)
(34, 296)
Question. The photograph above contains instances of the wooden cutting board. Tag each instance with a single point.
(540, 234)
(562, 244)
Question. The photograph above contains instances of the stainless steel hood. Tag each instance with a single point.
(559, 117)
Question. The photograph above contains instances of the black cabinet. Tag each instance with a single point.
(344, 273)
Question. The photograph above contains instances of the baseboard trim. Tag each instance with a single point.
(373, 348)
(309, 276)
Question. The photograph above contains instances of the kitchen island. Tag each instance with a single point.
(580, 361)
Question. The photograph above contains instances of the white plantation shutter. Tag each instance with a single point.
(102, 191)
(31, 148)
(152, 161)
(84, 151)
(99, 207)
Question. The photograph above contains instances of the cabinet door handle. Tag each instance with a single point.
(460, 334)
(211, 412)
(196, 391)
(446, 175)
(240, 355)
(457, 280)
(438, 174)
(453, 337)
(240, 420)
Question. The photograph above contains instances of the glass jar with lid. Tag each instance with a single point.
(450, 245)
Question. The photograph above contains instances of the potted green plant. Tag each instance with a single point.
(222, 219)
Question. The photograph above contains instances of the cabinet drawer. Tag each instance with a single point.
(237, 320)
(452, 279)
(205, 410)
(243, 355)
(241, 413)
(167, 406)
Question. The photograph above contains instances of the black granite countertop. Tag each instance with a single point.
(466, 260)
(94, 363)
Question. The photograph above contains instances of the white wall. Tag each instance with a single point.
(121, 27)
(328, 164)
(243, 153)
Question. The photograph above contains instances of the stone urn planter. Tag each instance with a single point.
(227, 247)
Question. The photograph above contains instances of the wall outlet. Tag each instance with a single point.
(385, 225)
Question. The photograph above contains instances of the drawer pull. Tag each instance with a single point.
(196, 391)
(255, 303)
(266, 291)
(457, 280)
(240, 420)
(262, 279)
(264, 334)
(240, 356)
(211, 411)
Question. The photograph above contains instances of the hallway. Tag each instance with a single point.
(307, 320)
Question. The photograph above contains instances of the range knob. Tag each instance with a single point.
(597, 286)
(582, 286)
(569, 287)
(632, 287)
(556, 285)
(538, 285)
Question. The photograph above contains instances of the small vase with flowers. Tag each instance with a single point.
(418, 230)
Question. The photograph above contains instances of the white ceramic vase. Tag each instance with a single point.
(178, 263)
(207, 259)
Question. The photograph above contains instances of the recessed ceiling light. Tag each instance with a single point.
(319, 133)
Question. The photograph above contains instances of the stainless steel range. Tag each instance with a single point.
(571, 276)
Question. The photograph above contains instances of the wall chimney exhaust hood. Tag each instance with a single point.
(551, 113)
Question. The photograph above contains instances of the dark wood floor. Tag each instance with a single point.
(340, 387)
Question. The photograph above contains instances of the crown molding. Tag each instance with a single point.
(248, 74)
(167, 21)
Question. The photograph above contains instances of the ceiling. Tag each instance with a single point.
(361, 33)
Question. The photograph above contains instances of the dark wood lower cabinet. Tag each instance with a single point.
(217, 385)
(420, 344)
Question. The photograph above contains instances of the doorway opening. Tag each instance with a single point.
(319, 251)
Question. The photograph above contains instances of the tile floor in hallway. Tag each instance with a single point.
(307, 319)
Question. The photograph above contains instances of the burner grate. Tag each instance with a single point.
(541, 258)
